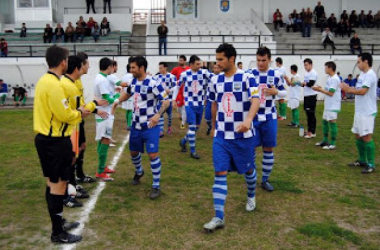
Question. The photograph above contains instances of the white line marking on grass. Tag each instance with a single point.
(90, 205)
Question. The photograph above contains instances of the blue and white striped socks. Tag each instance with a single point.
(137, 162)
(191, 137)
(170, 119)
(155, 165)
(161, 123)
(219, 193)
(250, 179)
(268, 161)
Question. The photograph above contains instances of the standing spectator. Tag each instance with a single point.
(344, 15)
(105, 6)
(355, 44)
(376, 19)
(48, 34)
(69, 32)
(307, 20)
(23, 30)
(95, 32)
(370, 21)
(319, 10)
(323, 22)
(90, 3)
(327, 38)
(332, 22)
(79, 31)
(59, 33)
(104, 27)
(3, 47)
(363, 19)
(277, 19)
(353, 19)
(3, 92)
(351, 82)
(290, 23)
(162, 37)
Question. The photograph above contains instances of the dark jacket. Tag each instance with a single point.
(162, 31)
(48, 32)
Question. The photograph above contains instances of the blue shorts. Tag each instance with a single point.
(266, 133)
(233, 155)
(169, 110)
(208, 111)
(151, 138)
(194, 114)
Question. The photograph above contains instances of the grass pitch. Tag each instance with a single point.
(318, 202)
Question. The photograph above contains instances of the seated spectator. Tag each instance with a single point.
(351, 83)
(327, 38)
(302, 13)
(95, 32)
(290, 23)
(342, 28)
(79, 32)
(323, 22)
(104, 27)
(363, 19)
(277, 19)
(376, 19)
(59, 33)
(69, 32)
(355, 44)
(294, 14)
(353, 19)
(332, 22)
(90, 25)
(3, 48)
(23, 30)
(16, 97)
(370, 21)
(298, 23)
(349, 30)
(3, 92)
(48, 34)
(22, 95)
(82, 22)
(344, 15)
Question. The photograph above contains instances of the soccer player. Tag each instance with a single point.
(128, 105)
(365, 112)
(265, 121)
(235, 102)
(178, 96)
(169, 82)
(146, 92)
(53, 120)
(216, 71)
(310, 97)
(281, 102)
(332, 105)
(294, 95)
(104, 90)
(195, 81)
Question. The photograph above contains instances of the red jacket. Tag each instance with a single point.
(180, 100)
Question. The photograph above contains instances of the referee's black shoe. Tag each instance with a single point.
(65, 238)
(69, 225)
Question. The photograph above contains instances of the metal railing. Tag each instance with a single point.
(99, 9)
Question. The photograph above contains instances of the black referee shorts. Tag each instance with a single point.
(55, 155)
(82, 135)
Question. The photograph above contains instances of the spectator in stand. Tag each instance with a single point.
(342, 28)
(355, 44)
(277, 19)
(327, 38)
(302, 13)
(353, 19)
(370, 21)
(105, 6)
(351, 82)
(69, 32)
(332, 22)
(23, 30)
(363, 19)
(240, 65)
(91, 23)
(307, 20)
(22, 95)
(92, 4)
(95, 32)
(376, 20)
(3, 92)
(349, 30)
(323, 22)
(48, 34)
(162, 37)
(299, 23)
(82, 22)
(59, 33)
(3, 48)
(344, 15)
(319, 10)
(79, 32)
(290, 23)
(294, 14)
(104, 27)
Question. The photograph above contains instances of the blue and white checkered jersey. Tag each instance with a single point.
(145, 96)
(208, 86)
(168, 81)
(195, 86)
(271, 78)
(233, 96)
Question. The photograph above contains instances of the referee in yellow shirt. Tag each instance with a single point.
(53, 120)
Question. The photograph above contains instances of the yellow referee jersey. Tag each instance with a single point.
(52, 115)
(91, 106)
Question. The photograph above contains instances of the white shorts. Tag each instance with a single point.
(329, 116)
(363, 125)
(293, 103)
(104, 129)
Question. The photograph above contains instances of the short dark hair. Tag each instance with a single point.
(279, 60)
(114, 63)
(163, 64)
(239, 63)
(350, 75)
(228, 50)
(128, 68)
(294, 68)
(262, 51)
(55, 55)
(83, 56)
(331, 65)
(74, 63)
(193, 58)
(308, 60)
(104, 63)
(140, 61)
(2, 39)
(183, 57)
(23, 23)
(366, 57)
